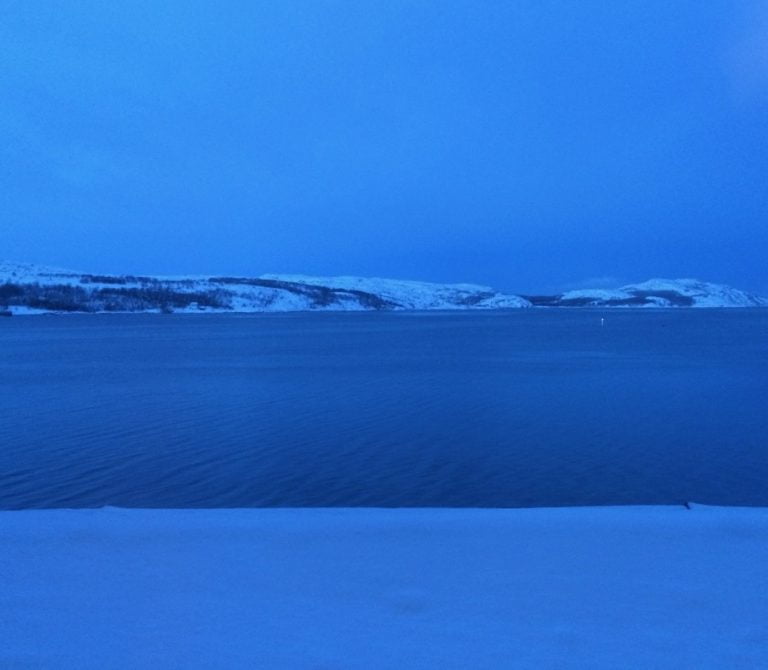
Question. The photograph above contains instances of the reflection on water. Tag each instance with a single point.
(527, 407)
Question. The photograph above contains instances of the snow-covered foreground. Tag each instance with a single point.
(636, 587)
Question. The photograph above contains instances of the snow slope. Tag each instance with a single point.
(27, 273)
(634, 587)
(414, 294)
(52, 289)
(661, 293)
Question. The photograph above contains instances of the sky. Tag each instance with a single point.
(532, 145)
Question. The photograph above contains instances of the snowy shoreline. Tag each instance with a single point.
(662, 587)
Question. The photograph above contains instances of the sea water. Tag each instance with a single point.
(529, 407)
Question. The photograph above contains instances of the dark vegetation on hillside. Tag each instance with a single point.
(67, 298)
(638, 299)
(321, 296)
(106, 293)
(111, 279)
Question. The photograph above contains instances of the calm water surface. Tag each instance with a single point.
(518, 408)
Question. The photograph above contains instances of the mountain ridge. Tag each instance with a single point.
(26, 288)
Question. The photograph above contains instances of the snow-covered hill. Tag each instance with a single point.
(26, 288)
(414, 294)
(28, 273)
(655, 293)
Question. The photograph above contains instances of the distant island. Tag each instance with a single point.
(32, 289)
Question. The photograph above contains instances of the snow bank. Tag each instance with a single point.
(654, 587)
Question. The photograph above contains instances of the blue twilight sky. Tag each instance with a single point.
(528, 144)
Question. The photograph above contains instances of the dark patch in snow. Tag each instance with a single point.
(675, 298)
(321, 296)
